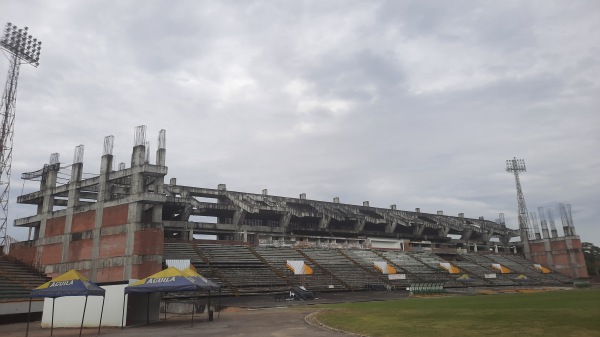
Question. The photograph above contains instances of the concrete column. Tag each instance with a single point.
(324, 222)
(466, 234)
(238, 217)
(72, 202)
(548, 251)
(390, 227)
(161, 157)
(138, 156)
(284, 220)
(46, 186)
(360, 225)
(418, 229)
(103, 195)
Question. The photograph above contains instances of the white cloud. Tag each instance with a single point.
(412, 103)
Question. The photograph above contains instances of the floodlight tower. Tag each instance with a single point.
(516, 166)
(23, 49)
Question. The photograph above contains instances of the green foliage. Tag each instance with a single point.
(556, 313)
(592, 257)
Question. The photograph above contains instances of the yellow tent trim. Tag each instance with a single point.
(169, 272)
(68, 276)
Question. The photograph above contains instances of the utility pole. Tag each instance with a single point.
(23, 49)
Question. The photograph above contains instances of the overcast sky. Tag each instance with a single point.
(414, 103)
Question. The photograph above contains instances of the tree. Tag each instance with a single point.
(592, 258)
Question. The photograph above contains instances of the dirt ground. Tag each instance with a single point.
(251, 316)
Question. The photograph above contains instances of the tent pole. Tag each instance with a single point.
(193, 310)
(148, 309)
(28, 317)
(209, 308)
(52, 323)
(83, 316)
(101, 312)
(123, 316)
(219, 305)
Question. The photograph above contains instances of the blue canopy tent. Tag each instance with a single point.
(71, 283)
(169, 280)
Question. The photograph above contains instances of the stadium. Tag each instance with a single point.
(126, 224)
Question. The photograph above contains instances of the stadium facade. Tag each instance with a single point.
(113, 227)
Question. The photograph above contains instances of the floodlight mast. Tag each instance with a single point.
(516, 166)
(24, 49)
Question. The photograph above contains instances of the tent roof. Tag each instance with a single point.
(71, 283)
(170, 279)
(200, 280)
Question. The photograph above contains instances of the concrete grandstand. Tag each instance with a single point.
(124, 224)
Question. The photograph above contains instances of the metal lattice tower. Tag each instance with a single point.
(23, 49)
(515, 166)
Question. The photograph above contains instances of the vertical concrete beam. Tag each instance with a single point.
(390, 227)
(161, 157)
(443, 231)
(418, 229)
(486, 235)
(72, 202)
(284, 220)
(466, 234)
(103, 195)
(46, 186)
(548, 251)
(324, 222)
(360, 225)
(238, 217)
(138, 156)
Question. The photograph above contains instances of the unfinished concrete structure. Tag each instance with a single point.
(563, 254)
(112, 226)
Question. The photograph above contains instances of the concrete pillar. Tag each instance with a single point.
(161, 157)
(324, 222)
(443, 231)
(284, 220)
(418, 229)
(46, 186)
(390, 227)
(238, 217)
(72, 202)
(138, 157)
(360, 225)
(466, 234)
(103, 195)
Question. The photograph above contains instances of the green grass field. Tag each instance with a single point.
(554, 313)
